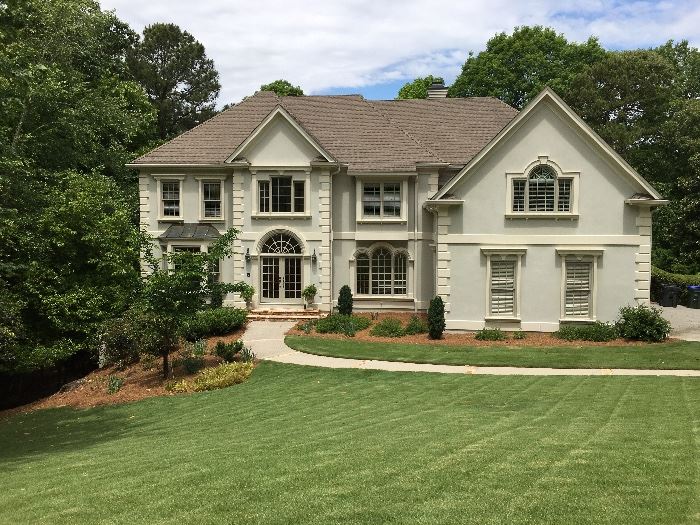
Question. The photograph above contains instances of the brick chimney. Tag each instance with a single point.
(437, 89)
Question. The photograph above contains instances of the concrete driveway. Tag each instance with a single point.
(685, 322)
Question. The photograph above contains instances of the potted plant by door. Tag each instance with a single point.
(309, 293)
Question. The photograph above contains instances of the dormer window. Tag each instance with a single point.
(542, 191)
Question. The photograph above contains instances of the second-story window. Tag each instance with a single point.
(211, 199)
(170, 197)
(281, 195)
(381, 199)
(542, 192)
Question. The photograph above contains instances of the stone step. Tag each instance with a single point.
(284, 315)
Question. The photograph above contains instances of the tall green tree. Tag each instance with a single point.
(65, 100)
(180, 80)
(514, 68)
(418, 88)
(283, 88)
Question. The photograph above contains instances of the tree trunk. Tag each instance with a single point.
(166, 365)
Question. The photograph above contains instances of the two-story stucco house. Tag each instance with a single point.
(517, 219)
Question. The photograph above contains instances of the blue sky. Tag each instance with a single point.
(373, 47)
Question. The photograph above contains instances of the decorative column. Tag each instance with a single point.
(144, 212)
(237, 222)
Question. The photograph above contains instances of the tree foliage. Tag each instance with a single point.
(418, 88)
(180, 80)
(516, 67)
(283, 88)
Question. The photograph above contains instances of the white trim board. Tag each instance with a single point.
(523, 240)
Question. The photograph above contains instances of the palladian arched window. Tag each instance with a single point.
(542, 191)
(281, 243)
(381, 271)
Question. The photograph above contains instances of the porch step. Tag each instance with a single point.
(284, 315)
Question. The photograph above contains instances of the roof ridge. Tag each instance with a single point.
(400, 128)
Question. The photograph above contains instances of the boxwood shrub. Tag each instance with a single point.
(388, 327)
(216, 321)
(416, 325)
(596, 331)
(643, 323)
(490, 334)
(342, 324)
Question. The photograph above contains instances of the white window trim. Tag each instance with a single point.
(160, 179)
(368, 251)
(503, 252)
(359, 209)
(224, 201)
(591, 254)
(523, 175)
(184, 243)
(257, 177)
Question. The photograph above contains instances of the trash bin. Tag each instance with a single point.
(693, 297)
(669, 295)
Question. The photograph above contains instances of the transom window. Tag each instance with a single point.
(170, 198)
(281, 243)
(211, 199)
(381, 199)
(281, 195)
(542, 191)
(381, 272)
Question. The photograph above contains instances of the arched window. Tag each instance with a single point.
(542, 191)
(381, 272)
(281, 243)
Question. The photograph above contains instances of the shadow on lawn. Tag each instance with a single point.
(58, 430)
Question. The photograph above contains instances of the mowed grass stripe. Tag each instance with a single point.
(305, 445)
(680, 355)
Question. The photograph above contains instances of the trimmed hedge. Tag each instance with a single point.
(660, 277)
(596, 331)
(217, 321)
(388, 327)
(342, 324)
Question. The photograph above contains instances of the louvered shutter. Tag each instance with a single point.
(502, 287)
(578, 288)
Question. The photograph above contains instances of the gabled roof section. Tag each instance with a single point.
(547, 96)
(283, 113)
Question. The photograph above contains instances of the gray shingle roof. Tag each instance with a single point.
(366, 135)
(191, 231)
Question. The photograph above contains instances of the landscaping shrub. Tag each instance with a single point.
(643, 323)
(120, 338)
(307, 326)
(217, 321)
(226, 374)
(597, 331)
(436, 318)
(193, 359)
(228, 351)
(114, 384)
(519, 335)
(345, 300)
(416, 326)
(247, 355)
(660, 277)
(342, 324)
(490, 334)
(388, 327)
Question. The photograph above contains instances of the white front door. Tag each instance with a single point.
(280, 279)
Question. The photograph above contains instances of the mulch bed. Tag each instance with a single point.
(139, 383)
(533, 339)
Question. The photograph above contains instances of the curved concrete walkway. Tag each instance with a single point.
(266, 339)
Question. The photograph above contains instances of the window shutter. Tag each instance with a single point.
(578, 288)
(502, 287)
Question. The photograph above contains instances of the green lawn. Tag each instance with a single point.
(679, 356)
(307, 445)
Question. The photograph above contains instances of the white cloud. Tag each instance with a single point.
(320, 44)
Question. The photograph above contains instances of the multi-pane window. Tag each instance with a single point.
(578, 296)
(502, 287)
(381, 272)
(211, 199)
(281, 195)
(542, 192)
(170, 197)
(381, 199)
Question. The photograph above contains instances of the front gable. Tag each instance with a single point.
(547, 102)
(280, 141)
